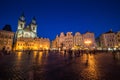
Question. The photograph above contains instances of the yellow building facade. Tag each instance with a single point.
(26, 36)
(32, 44)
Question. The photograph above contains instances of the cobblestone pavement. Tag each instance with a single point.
(59, 66)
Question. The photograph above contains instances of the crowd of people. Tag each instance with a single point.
(5, 52)
(78, 53)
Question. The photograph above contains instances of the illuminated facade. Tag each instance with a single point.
(26, 37)
(32, 44)
(77, 41)
(118, 40)
(68, 43)
(64, 41)
(6, 40)
(108, 40)
(29, 31)
(61, 40)
(89, 40)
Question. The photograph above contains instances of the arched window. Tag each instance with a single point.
(21, 25)
(33, 28)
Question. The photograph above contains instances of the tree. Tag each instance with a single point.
(7, 27)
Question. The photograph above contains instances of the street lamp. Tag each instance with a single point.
(88, 42)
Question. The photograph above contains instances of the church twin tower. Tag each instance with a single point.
(29, 31)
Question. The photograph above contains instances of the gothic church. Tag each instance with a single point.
(29, 31)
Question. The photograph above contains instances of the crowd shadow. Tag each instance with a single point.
(116, 55)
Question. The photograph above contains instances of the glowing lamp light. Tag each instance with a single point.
(116, 46)
(87, 42)
(35, 47)
(40, 45)
(46, 48)
(20, 48)
(73, 48)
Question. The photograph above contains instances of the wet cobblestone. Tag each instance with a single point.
(59, 66)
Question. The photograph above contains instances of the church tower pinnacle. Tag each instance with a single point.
(21, 21)
(33, 25)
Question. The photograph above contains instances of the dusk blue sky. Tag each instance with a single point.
(55, 16)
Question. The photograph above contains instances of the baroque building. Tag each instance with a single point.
(68, 42)
(108, 40)
(6, 40)
(89, 40)
(26, 36)
(77, 41)
(118, 40)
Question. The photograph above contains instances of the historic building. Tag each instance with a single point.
(64, 41)
(108, 40)
(61, 40)
(89, 40)
(29, 31)
(77, 41)
(26, 36)
(118, 40)
(68, 42)
(6, 40)
(32, 44)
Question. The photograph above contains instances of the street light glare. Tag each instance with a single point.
(87, 42)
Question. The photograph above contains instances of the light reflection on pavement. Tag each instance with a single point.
(59, 66)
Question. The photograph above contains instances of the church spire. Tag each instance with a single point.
(33, 25)
(111, 30)
(21, 21)
(22, 17)
(33, 20)
(23, 14)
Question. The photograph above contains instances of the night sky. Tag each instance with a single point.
(55, 16)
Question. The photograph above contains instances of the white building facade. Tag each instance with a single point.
(108, 40)
(118, 40)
